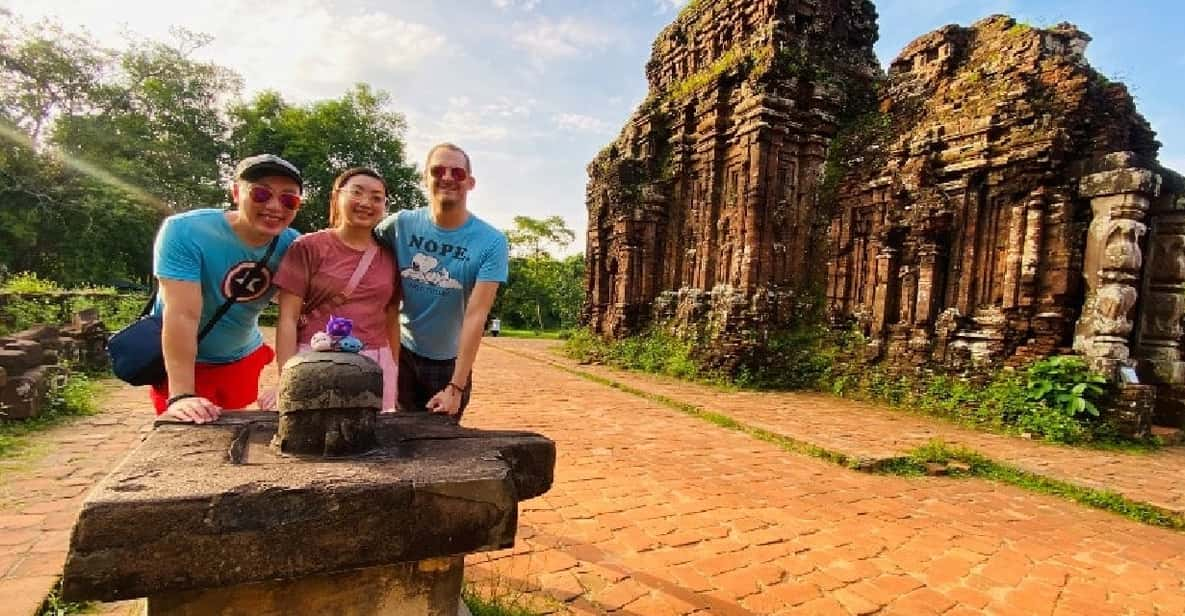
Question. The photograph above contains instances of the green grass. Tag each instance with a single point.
(982, 467)
(554, 334)
(77, 398)
(914, 463)
(498, 597)
(55, 606)
(485, 606)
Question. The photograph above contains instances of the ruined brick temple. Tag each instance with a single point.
(992, 199)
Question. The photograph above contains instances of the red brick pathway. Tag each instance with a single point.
(40, 494)
(869, 431)
(654, 512)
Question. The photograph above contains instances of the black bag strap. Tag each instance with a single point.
(222, 310)
(230, 301)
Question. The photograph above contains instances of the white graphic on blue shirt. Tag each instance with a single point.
(424, 269)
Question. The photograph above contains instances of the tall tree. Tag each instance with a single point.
(47, 72)
(325, 138)
(532, 236)
(159, 124)
(542, 292)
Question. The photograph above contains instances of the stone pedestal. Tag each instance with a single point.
(431, 587)
(213, 519)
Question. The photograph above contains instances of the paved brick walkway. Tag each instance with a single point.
(869, 431)
(40, 495)
(654, 513)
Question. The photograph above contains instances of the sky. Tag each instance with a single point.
(533, 89)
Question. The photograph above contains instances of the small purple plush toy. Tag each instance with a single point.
(339, 327)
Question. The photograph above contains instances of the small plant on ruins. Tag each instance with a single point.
(1063, 394)
(1066, 384)
(54, 605)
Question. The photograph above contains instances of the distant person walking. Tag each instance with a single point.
(495, 327)
(452, 265)
(215, 269)
(343, 271)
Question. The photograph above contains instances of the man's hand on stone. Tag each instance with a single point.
(446, 402)
(196, 409)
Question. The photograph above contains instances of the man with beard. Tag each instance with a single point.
(452, 263)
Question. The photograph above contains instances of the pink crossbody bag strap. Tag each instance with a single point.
(359, 272)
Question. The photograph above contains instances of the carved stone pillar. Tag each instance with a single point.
(928, 257)
(909, 290)
(1015, 251)
(1031, 257)
(1158, 343)
(886, 271)
(1120, 197)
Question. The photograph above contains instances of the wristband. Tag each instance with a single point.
(460, 390)
(179, 397)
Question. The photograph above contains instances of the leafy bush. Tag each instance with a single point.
(1055, 398)
(29, 282)
(654, 351)
(35, 301)
(1065, 384)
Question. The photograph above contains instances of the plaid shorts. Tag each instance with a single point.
(421, 378)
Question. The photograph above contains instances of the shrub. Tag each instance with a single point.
(1054, 398)
(28, 282)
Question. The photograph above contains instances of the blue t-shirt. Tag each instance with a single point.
(199, 246)
(439, 268)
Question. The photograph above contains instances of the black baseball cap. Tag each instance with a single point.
(262, 165)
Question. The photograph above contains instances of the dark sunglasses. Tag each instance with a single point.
(458, 174)
(263, 194)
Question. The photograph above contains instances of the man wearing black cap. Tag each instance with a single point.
(215, 271)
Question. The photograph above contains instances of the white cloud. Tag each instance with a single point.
(546, 39)
(578, 123)
(670, 5)
(301, 48)
(525, 5)
(464, 121)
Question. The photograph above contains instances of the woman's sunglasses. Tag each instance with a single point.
(458, 174)
(263, 194)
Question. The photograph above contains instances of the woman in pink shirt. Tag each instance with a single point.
(316, 274)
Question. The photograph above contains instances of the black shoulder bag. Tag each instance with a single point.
(136, 354)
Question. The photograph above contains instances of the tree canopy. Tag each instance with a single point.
(542, 291)
(98, 145)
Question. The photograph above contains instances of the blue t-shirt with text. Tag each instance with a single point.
(199, 246)
(439, 268)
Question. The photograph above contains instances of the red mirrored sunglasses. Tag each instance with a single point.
(263, 194)
(457, 174)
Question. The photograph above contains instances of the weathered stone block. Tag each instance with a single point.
(1133, 411)
(1120, 181)
(17, 361)
(31, 351)
(24, 395)
(191, 499)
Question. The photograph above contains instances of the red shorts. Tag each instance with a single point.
(231, 386)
